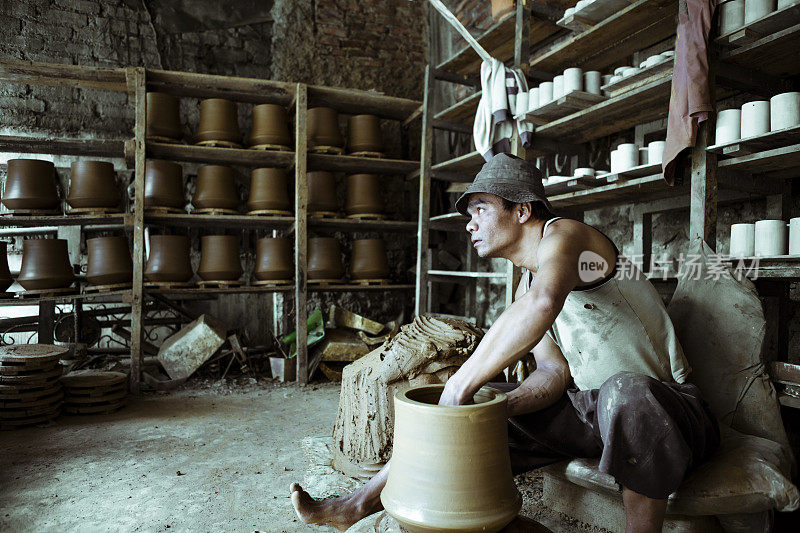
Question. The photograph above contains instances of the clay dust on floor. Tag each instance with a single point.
(210, 457)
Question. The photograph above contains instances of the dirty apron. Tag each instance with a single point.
(630, 404)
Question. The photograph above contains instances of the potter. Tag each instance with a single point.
(610, 379)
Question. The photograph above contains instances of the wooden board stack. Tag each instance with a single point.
(94, 392)
(30, 392)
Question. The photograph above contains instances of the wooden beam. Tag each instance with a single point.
(703, 206)
(423, 220)
(47, 316)
(72, 76)
(58, 146)
(251, 90)
(300, 234)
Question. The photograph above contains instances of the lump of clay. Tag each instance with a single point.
(427, 351)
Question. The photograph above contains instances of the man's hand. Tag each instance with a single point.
(453, 394)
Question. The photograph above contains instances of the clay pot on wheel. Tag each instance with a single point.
(218, 121)
(325, 258)
(216, 188)
(5, 274)
(274, 259)
(109, 261)
(168, 259)
(363, 195)
(321, 192)
(163, 184)
(163, 116)
(268, 190)
(30, 184)
(270, 126)
(323, 127)
(450, 465)
(368, 260)
(219, 258)
(364, 134)
(93, 185)
(45, 265)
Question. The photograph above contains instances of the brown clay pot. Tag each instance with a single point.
(219, 258)
(364, 134)
(218, 121)
(109, 261)
(323, 127)
(363, 195)
(163, 184)
(5, 274)
(163, 116)
(321, 192)
(168, 259)
(93, 185)
(268, 190)
(30, 184)
(325, 258)
(368, 260)
(270, 126)
(45, 265)
(216, 188)
(274, 259)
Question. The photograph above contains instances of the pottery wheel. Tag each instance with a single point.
(382, 522)
(31, 353)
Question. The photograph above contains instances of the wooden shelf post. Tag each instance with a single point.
(300, 230)
(423, 222)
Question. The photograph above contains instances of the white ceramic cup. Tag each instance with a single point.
(558, 87)
(731, 16)
(653, 60)
(533, 99)
(615, 78)
(755, 118)
(619, 70)
(605, 79)
(743, 240)
(614, 161)
(755, 9)
(643, 151)
(573, 80)
(581, 4)
(627, 156)
(545, 92)
(771, 238)
(584, 172)
(630, 71)
(794, 236)
(571, 11)
(669, 54)
(591, 82)
(643, 64)
(729, 126)
(655, 152)
(784, 111)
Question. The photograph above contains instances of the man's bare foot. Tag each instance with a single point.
(336, 512)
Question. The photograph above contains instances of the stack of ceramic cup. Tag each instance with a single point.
(765, 238)
(758, 117)
(629, 155)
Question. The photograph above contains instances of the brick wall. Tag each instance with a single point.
(475, 15)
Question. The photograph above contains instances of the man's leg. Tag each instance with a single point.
(344, 511)
(642, 514)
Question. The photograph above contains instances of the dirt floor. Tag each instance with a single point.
(211, 457)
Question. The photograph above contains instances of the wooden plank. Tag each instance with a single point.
(449, 222)
(635, 172)
(347, 224)
(219, 221)
(198, 85)
(616, 114)
(773, 54)
(570, 184)
(591, 14)
(47, 312)
(759, 143)
(767, 25)
(242, 289)
(467, 163)
(7, 219)
(472, 275)
(352, 164)
(72, 76)
(300, 234)
(424, 198)
(703, 203)
(637, 26)
(211, 155)
(138, 78)
(639, 189)
(782, 163)
(463, 111)
(786, 373)
(355, 102)
(641, 78)
(788, 401)
(563, 106)
(55, 146)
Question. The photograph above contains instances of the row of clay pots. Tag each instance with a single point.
(219, 122)
(168, 259)
(216, 188)
(31, 184)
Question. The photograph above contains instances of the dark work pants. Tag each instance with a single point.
(647, 433)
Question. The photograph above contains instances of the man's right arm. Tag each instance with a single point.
(545, 385)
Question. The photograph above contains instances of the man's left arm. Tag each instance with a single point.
(521, 326)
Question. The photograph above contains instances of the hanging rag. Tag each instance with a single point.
(690, 99)
(503, 104)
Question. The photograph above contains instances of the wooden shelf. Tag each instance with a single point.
(355, 102)
(351, 224)
(348, 287)
(73, 76)
(775, 267)
(251, 90)
(225, 156)
(571, 184)
(20, 221)
(780, 163)
(471, 275)
(646, 103)
(98, 297)
(638, 26)
(641, 78)
(218, 221)
(349, 163)
(758, 143)
(788, 401)
(563, 106)
(774, 54)
(449, 222)
(498, 40)
(591, 15)
(459, 169)
(635, 172)
(634, 190)
(769, 24)
(221, 290)
(54, 146)
(462, 112)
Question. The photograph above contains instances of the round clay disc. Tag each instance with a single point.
(93, 409)
(30, 421)
(8, 366)
(15, 414)
(50, 399)
(25, 370)
(22, 388)
(40, 377)
(31, 352)
(94, 400)
(24, 395)
(98, 392)
(93, 378)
